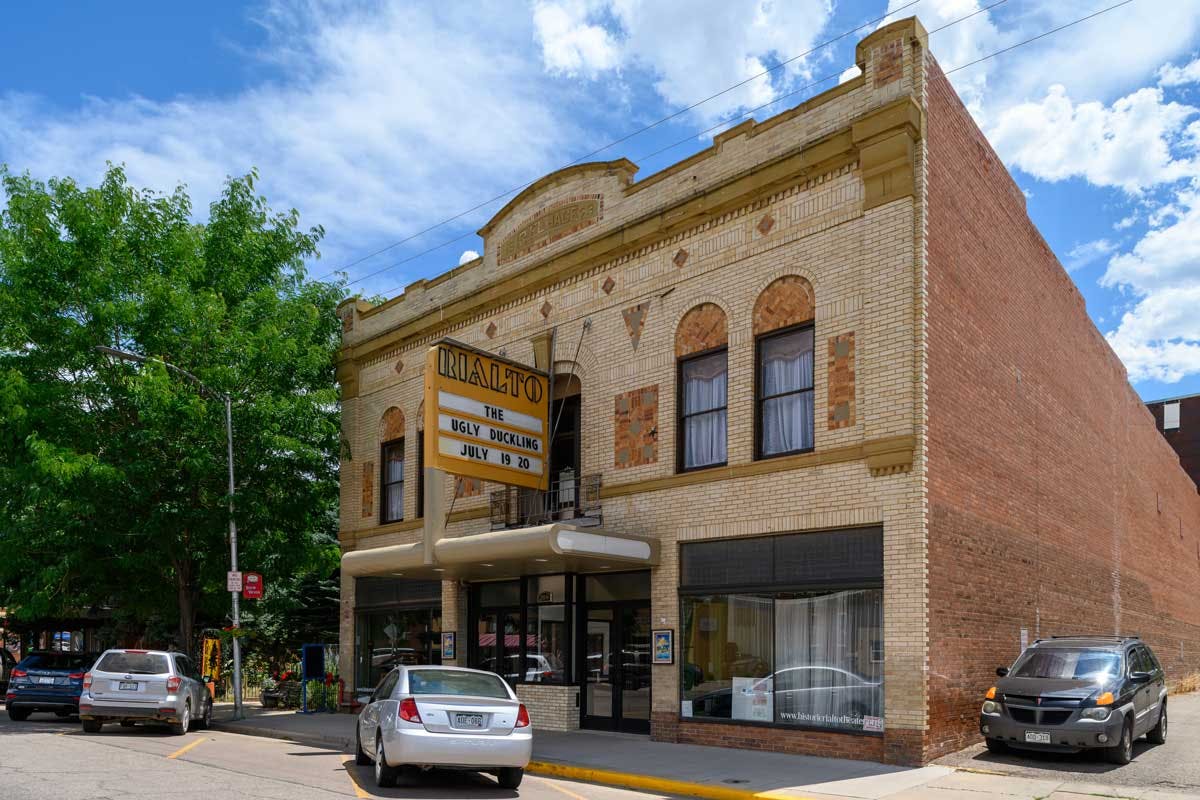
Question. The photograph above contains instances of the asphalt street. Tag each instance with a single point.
(1171, 767)
(49, 757)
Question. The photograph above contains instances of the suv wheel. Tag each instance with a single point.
(92, 725)
(1122, 751)
(185, 720)
(18, 714)
(1158, 734)
(205, 721)
(996, 746)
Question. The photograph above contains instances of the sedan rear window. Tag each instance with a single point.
(62, 662)
(134, 663)
(466, 684)
(1060, 662)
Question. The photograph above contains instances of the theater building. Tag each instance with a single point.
(830, 435)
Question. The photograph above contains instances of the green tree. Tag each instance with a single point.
(113, 483)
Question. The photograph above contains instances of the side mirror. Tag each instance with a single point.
(1002, 671)
(1140, 677)
(206, 679)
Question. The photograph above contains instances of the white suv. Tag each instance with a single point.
(130, 686)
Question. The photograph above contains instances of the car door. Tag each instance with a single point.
(183, 671)
(368, 719)
(1143, 693)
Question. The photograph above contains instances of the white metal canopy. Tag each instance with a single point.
(540, 549)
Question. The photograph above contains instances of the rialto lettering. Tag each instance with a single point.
(494, 376)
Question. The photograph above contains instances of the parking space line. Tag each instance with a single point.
(358, 790)
(187, 747)
(567, 792)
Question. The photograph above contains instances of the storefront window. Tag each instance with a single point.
(523, 629)
(780, 654)
(389, 638)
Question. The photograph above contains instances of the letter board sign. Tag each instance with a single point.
(486, 417)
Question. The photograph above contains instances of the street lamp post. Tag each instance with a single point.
(233, 546)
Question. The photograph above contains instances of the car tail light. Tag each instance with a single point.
(522, 717)
(75, 676)
(173, 683)
(85, 707)
(408, 710)
(10, 695)
(87, 680)
(19, 673)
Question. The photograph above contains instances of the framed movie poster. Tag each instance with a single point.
(664, 646)
(447, 645)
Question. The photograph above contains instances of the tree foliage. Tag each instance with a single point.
(113, 482)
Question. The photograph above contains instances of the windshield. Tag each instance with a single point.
(134, 663)
(1082, 665)
(445, 681)
(63, 662)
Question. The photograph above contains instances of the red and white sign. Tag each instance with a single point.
(252, 586)
(233, 581)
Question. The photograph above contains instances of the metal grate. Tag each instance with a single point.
(573, 499)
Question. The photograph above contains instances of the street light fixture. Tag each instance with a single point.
(233, 548)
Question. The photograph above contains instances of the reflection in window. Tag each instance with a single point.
(393, 482)
(728, 644)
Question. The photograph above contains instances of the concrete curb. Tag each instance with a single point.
(628, 780)
(341, 743)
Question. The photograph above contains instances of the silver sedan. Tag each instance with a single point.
(448, 717)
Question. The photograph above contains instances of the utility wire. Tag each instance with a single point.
(727, 122)
(613, 143)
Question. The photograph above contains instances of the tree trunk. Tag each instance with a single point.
(187, 604)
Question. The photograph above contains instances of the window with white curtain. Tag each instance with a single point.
(703, 381)
(785, 392)
(393, 482)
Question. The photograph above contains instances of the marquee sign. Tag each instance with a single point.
(486, 417)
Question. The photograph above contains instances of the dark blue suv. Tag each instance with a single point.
(47, 681)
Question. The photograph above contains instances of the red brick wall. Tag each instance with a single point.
(1185, 439)
(670, 728)
(1054, 504)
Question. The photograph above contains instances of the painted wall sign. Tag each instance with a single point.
(549, 225)
(486, 417)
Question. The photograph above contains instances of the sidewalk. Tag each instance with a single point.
(711, 772)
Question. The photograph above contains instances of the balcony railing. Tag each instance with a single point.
(574, 500)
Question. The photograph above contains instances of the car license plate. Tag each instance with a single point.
(128, 686)
(1037, 737)
(45, 680)
(468, 720)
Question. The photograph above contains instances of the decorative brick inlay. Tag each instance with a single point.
(702, 328)
(681, 257)
(765, 224)
(391, 426)
(841, 381)
(635, 320)
(546, 309)
(348, 320)
(368, 489)
(399, 366)
(555, 221)
(608, 285)
(787, 301)
(635, 418)
(467, 487)
(889, 62)
(490, 330)
(421, 416)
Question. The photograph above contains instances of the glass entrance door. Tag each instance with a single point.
(615, 642)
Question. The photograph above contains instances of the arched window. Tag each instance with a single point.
(702, 352)
(391, 460)
(783, 355)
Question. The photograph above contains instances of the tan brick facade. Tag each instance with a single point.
(817, 215)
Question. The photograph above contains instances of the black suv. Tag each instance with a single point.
(1066, 694)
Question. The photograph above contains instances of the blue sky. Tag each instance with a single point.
(379, 119)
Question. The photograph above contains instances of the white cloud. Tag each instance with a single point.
(850, 73)
(390, 119)
(1171, 75)
(1159, 338)
(688, 49)
(1128, 144)
(1088, 252)
(1125, 223)
(570, 44)
(467, 256)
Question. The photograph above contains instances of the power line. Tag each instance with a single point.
(987, 57)
(614, 143)
(718, 126)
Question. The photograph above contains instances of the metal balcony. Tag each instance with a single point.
(575, 500)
